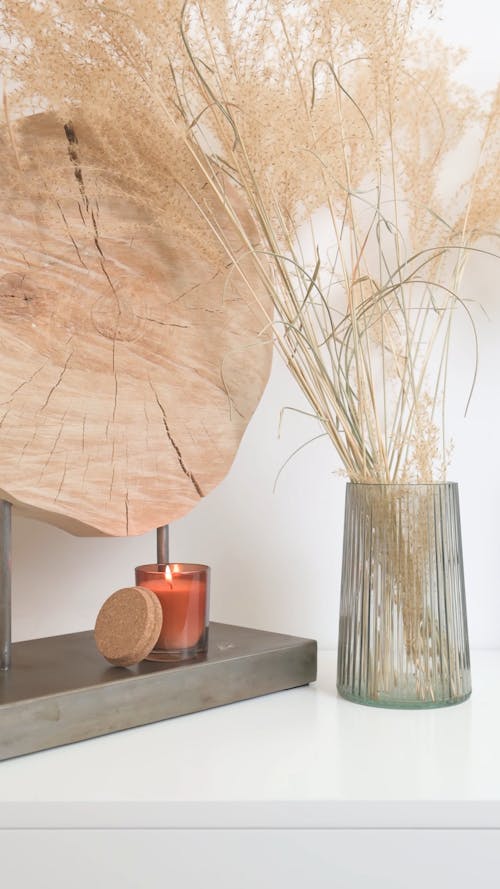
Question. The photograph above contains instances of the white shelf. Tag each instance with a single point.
(297, 759)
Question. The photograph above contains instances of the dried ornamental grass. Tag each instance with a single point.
(335, 122)
(349, 108)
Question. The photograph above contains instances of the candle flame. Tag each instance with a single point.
(168, 574)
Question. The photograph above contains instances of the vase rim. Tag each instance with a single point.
(402, 484)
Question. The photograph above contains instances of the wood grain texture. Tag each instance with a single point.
(131, 363)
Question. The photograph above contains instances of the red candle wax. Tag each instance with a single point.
(183, 593)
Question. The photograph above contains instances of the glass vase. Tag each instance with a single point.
(403, 639)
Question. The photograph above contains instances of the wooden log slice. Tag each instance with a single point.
(131, 362)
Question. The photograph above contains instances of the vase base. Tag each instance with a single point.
(386, 703)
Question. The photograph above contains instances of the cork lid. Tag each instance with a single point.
(128, 626)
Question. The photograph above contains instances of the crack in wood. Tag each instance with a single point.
(112, 481)
(75, 160)
(63, 478)
(126, 512)
(163, 323)
(70, 236)
(193, 288)
(21, 386)
(183, 466)
(57, 383)
(53, 449)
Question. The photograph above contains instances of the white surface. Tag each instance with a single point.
(276, 558)
(302, 758)
(237, 859)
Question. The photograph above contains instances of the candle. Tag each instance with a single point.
(183, 591)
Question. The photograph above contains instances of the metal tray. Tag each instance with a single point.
(60, 690)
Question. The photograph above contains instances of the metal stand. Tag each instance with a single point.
(62, 690)
(162, 545)
(5, 584)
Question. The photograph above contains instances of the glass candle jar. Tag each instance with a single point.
(183, 591)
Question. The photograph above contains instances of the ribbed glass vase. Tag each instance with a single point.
(403, 638)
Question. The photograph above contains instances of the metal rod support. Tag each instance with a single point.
(162, 545)
(5, 583)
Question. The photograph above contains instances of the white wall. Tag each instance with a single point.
(276, 557)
